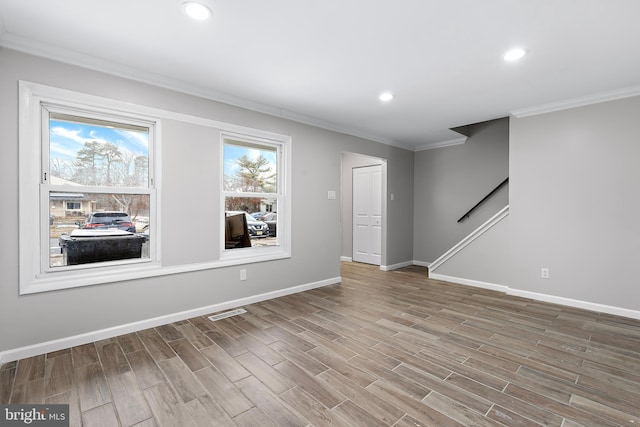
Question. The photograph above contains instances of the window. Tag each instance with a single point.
(253, 186)
(86, 175)
(100, 167)
(89, 174)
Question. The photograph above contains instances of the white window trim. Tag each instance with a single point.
(35, 273)
(46, 187)
(31, 95)
(283, 249)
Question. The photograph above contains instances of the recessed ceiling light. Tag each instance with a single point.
(386, 97)
(197, 11)
(514, 54)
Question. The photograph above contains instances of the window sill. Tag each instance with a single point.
(75, 279)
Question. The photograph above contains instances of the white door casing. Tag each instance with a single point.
(367, 214)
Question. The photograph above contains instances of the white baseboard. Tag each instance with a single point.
(469, 282)
(393, 266)
(72, 341)
(569, 302)
(396, 266)
(422, 263)
(592, 306)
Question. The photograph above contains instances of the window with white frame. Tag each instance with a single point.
(100, 164)
(89, 178)
(254, 195)
(86, 176)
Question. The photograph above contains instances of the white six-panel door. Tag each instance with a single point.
(367, 214)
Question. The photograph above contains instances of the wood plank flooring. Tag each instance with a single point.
(380, 349)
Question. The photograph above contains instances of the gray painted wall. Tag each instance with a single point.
(487, 259)
(397, 237)
(399, 221)
(574, 203)
(451, 180)
(316, 230)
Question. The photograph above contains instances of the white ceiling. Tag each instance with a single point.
(325, 62)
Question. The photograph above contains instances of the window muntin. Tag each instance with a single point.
(92, 164)
(252, 183)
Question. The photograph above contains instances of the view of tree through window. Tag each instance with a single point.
(96, 166)
(92, 206)
(250, 185)
(98, 153)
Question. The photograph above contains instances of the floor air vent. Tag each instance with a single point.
(227, 314)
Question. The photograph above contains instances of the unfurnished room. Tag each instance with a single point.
(287, 213)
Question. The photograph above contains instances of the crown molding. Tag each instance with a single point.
(54, 53)
(447, 143)
(577, 102)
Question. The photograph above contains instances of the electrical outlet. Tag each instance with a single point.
(544, 273)
(243, 274)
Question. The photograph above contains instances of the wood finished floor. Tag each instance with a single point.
(380, 349)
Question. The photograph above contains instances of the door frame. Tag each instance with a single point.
(370, 191)
(349, 160)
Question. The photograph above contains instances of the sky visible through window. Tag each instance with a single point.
(98, 154)
(67, 138)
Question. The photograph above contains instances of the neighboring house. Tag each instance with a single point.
(63, 205)
(268, 205)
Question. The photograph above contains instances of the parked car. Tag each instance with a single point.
(256, 228)
(108, 220)
(271, 219)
